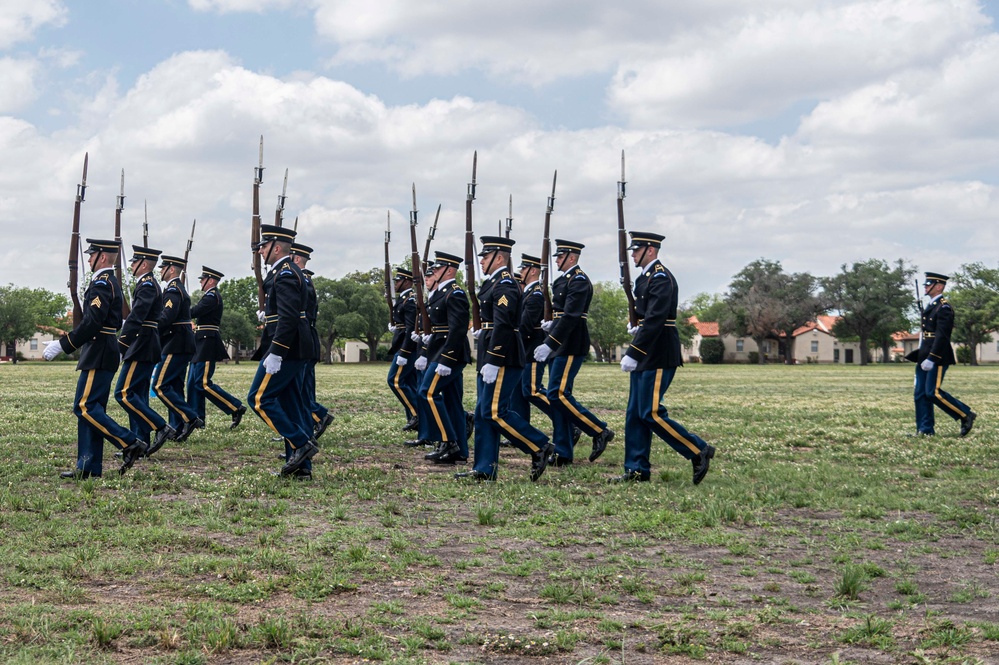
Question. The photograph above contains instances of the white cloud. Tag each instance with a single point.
(19, 19)
(17, 83)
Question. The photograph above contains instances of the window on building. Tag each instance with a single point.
(835, 355)
(739, 344)
(815, 346)
(33, 345)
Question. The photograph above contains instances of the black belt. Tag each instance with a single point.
(438, 329)
(670, 323)
(559, 315)
(107, 330)
(214, 328)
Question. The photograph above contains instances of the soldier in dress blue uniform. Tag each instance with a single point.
(96, 338)
(210, 350)
(402, 374)
(934, 355)
(568, 344)
(139, 344)
(445, 356)
(178, 347)
(533, 391)
(652, 360)
(500, 363)
(318, 415)
(285, 347)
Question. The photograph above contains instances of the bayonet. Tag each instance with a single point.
(622, 250)
(430, 237)
(74, 246)
(258, 178)
(389, 291)
(470, 248)
(423, 316)
(187, 252)
(546, 251)
(145, 223)
(279, 213)
(119, 206)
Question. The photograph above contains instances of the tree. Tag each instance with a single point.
(240, 295)
(801, 305)
(872, 298)
(975, 297)
(607, 319)
(707, 307)
(756, 308)
(369, 316)
(237, 330)
(22, 310)
(350, 308)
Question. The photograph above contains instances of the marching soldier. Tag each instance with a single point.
(178, 347)
(402, 374)
(210, 349)
(319, 415)
(500, 363)
(95, 337)
(533, 390)
(447, 352)
(652, 360)
(934, 355)
(286, 346)
(139, 344)
(568, 344)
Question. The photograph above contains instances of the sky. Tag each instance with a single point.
(816, 133)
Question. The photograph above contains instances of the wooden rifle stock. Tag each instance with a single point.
(120, 205)
(546, 253)
(258, 177)
(470, 249)
(389, 296)
(423, 316)
(74, 247)
(622, 250)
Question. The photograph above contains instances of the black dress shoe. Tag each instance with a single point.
(539, 461)
(558, 460)
(162, 435)
(702, 462)
(417, 443)
(300, 456)
(187, 428)
(631, 477)
(448, 453)
(237, 416)
(576, 434)
(130, 454)
(323, 424)
(469, 424)
(917, 434)
(968, 422)
(474, 475)
(412, 424)
(77, 474)
(600, 442)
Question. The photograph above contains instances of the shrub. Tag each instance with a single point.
(712, 350)
(754, 357)
(964, 355)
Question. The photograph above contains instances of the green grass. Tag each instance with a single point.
(821, 528)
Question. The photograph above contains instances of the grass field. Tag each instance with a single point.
(821, 535)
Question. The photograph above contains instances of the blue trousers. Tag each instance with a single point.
(201, 387)
(928, 392)
(646, 416)
(403, 382)
(316, 410)
(170, 388)
(532, 391)
(566, 411)
(132, 394)
(93, 424)
(277, 399)
(494, 416)
(441, 399)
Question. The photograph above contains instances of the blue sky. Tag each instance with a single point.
(813, 132)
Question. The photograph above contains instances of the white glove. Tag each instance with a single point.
(628, 364)
(261, 317)
(272, 363)
(400, 361)
(633, 330)
(391, 328)
(476, 333)
(489, 373)
(52, 349)
(542, 352)
(426, 339)
(420, 364)
(926, 365)
(443, 370)
(547, 325)
(416, 337)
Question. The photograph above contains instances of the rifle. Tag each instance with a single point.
(430, 237)
(74, 247)
(622, 250)
(145, 224)
(279, 213)
(919, 301)
(258, 177)
(546, 251)
(423, 316)
(470, 248)
(509, 218)
(187, 252)
(119, 206)
(389, 292)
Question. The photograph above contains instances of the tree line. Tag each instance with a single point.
(874, 299)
